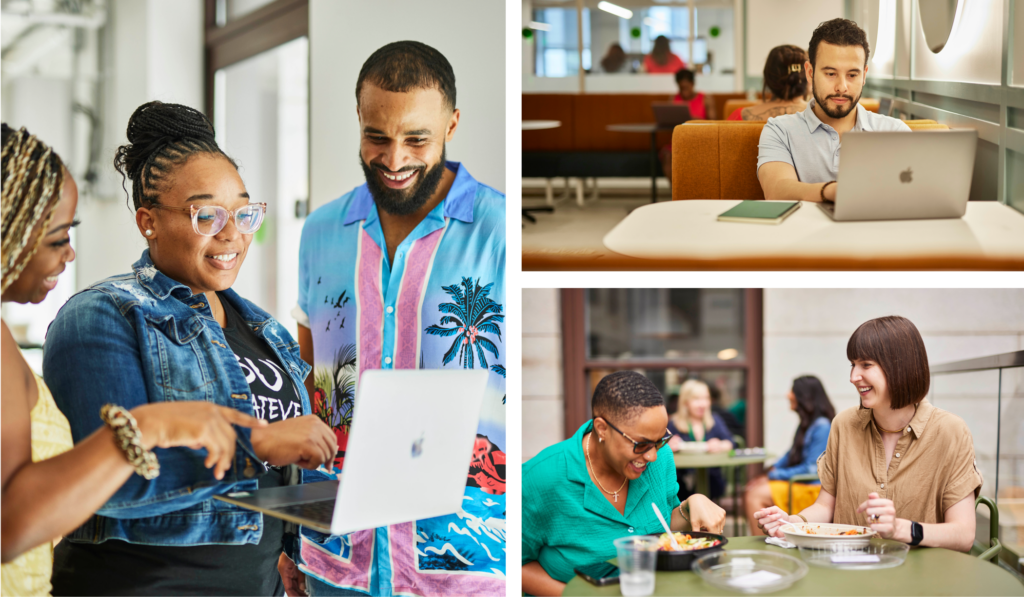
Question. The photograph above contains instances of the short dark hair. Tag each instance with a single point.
(895, 344)
(406, 65)
(838, 32)
(623, 395)
(685, 74)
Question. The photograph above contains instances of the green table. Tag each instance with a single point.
(927, 571)
(702, 462)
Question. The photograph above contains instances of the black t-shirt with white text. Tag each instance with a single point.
(119, 568)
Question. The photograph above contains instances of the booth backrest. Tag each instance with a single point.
(549, 106)
(712, 161)
(718, 160)
(585, 119)
(594, 112)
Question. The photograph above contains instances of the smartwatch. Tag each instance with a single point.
(916, 533)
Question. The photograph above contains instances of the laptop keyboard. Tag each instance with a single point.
(319, 511)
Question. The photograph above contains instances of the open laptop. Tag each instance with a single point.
(669, 114)
(904, 176)
(407, 457)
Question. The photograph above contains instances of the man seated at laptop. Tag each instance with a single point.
(798, 155)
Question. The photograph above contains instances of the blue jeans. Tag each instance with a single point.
(316, 588)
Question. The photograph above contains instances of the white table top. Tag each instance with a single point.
(539, 125)
(689, 230)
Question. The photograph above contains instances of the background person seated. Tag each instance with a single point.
(661, 59)
(700, 109)
(615, 60)
(695, 422)
(809, 400)
(784, 76)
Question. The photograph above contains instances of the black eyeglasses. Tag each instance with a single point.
(644, 446)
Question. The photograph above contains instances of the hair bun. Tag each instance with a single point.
(156, 121)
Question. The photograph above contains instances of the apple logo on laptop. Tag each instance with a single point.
(907, 175)
(417, 447)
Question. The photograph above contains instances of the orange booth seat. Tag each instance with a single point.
(716, 160)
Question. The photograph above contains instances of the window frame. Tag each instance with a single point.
(577, 365)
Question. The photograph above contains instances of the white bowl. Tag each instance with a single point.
(796, 533)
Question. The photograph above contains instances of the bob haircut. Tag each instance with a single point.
(895, 344)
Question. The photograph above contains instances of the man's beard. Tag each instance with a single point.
(839, 112)
(404, 202)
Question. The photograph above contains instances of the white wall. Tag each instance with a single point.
(543, 401)
(470, 34)
(773, 23)
(806, 331)
(526, 46)
(157, 54)
(973, 53)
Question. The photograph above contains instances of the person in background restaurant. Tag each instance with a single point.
(49, 486)
(661, 60)
(730, 420)
(809, 400)
(798, 153)
(784, 77)
(614, 59)
(407, 271)
(172, 330)
(896, 463)
(581, 494)
(700, 109)
(695, 422)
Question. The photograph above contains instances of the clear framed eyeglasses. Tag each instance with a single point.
(209, 220)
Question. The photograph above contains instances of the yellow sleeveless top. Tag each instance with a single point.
(29, 574)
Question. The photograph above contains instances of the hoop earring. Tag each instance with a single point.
(600, 439)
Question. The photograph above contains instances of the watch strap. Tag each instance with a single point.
(916, 533)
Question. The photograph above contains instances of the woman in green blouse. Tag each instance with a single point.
(581, 494)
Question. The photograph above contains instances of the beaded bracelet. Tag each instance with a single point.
(129, 439)
(683, 514)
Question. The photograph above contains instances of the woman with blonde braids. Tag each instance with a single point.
(49, 488)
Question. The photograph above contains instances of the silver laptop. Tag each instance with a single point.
(669, 114)
(904, 175)
(407, 458)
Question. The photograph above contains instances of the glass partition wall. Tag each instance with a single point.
(988, 394)
(617, 36)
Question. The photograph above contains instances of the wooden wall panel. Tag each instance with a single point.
(594, 112)
(549, 106)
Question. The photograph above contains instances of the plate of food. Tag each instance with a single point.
(693, 544)
(811, 534)
(692, 447)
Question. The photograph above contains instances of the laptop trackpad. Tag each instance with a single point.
(273, 497)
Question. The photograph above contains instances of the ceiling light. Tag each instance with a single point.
(615, 9)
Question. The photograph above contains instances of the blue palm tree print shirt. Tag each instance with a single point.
(440, 305)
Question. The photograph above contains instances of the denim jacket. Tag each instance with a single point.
(142, 338)
(815, 442)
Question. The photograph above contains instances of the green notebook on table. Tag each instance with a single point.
(760, 212)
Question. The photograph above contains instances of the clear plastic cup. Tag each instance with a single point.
(637, 558)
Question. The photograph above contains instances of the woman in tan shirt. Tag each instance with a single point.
(897, 463)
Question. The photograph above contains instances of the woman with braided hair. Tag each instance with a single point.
(48, 487)
(170, 330)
